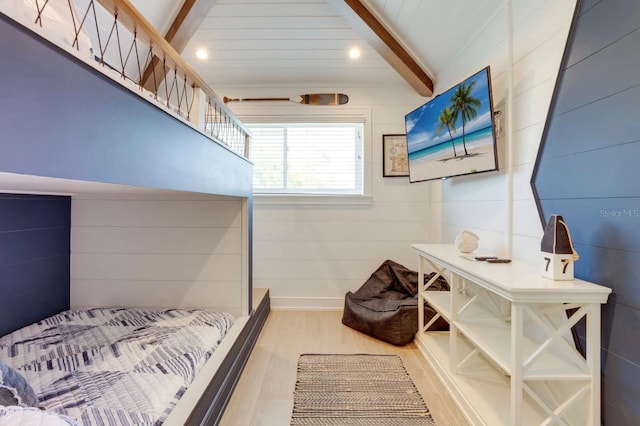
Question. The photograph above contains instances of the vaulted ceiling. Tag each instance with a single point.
(306, 43)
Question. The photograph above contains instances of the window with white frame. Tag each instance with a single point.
(307, 158)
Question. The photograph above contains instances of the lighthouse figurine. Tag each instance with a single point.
(557, 250)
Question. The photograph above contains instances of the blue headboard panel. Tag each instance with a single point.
(587, 171)
(34, 258)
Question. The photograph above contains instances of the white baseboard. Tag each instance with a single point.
(307, 303)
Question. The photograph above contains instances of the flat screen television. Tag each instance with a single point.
(453, 134)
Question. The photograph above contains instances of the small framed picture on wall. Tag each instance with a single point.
(395, 161)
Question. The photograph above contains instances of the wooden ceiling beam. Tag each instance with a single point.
(187, 22)
(182, 29)
(179, 21)
(367, 24)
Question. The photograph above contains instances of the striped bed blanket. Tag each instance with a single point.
(114, 366)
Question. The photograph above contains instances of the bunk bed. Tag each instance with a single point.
(98, 138)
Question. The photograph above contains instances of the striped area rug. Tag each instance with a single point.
(356, 390)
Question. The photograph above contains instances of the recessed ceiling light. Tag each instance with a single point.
(202, 54)
(354, 53)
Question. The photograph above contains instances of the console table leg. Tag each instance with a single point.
(517, 322)
(420, 297)
(455, 285)
(593, 361)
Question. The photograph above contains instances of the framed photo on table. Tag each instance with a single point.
(395, 161)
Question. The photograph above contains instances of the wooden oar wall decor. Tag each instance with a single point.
(308, 99)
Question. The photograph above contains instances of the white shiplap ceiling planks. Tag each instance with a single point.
(305, 43)
(283, 43)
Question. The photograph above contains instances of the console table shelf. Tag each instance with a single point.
(482, 396)
(510, 331)
(493, 335)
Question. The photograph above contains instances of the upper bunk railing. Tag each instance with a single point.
(113, 35)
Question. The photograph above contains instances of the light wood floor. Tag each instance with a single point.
(264, 394)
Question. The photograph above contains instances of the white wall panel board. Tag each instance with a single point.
(486, 48)
(525, 11)
(525, 144)
(129, 193)
(307, 303)
(300, 269)
(539, 65)
(486, 186)
(531, 106)
(341, 231)
(391, 115)
(133, 193)
(434, 218)
(526, 249)
(378, 211)
(526, 221)
(545, 23)
(224, 295)
(398, 189)
(156, 213)
(157, 240)
(330, 251)
(313, 287)
(486, 215)
(155, 267)
(521, 182)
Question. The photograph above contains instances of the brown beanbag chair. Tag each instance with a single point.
(386, 306)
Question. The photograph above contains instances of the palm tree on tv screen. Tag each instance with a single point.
(465, 106)
(447, 120)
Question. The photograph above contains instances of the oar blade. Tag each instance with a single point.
(324, 99)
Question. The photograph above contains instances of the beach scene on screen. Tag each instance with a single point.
(452, 134)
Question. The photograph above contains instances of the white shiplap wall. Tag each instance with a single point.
(481, 203)
(167, 250)
(310, 255)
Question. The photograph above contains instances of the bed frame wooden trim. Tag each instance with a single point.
(214, 400)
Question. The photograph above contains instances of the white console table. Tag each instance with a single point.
(509, 357)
